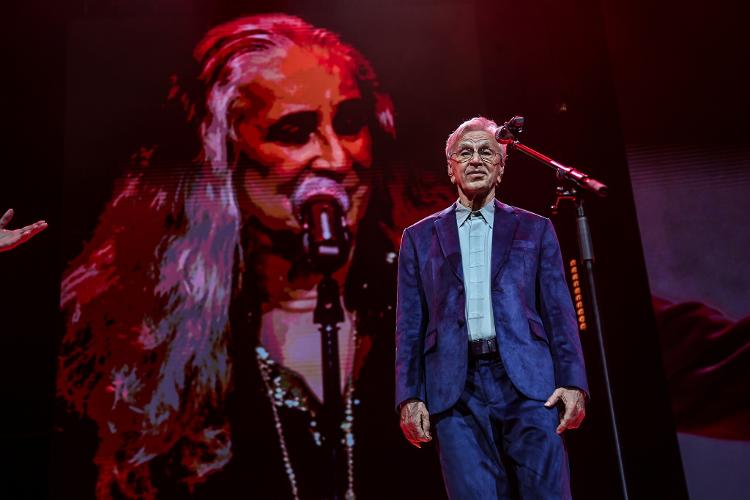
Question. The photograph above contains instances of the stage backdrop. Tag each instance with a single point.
(187, 362)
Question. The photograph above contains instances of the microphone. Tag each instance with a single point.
(320, 204)
(509, 131)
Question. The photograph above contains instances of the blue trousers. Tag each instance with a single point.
(497, 444)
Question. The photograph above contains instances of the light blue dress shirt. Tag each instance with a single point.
(475, 238)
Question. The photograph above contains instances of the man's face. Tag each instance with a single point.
(306, 117)
(475, 165)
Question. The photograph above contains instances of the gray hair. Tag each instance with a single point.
(472, 125)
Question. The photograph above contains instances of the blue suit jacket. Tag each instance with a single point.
(534, 317)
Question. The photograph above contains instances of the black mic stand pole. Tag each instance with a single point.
(328, 313)
(570, 179)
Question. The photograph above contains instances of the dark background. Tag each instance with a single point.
(590, 77)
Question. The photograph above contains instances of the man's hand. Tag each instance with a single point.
(575, 408)
(415, 423)
(12, 238)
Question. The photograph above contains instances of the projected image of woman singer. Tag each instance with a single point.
(193, 347)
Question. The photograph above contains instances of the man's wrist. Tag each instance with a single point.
(407, 401)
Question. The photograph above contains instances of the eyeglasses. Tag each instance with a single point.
(465, 155)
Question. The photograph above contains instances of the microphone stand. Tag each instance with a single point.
(328, 313)
(326, 243)
(570, 180)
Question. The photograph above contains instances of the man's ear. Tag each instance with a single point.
(451, 176)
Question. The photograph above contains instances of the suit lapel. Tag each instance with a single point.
(503, 230)
(447, 231)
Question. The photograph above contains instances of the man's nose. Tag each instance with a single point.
(331, 154)
(476, 159)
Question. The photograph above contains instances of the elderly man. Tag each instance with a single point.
(487, 344)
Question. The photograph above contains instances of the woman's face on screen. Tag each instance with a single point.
(302, 116)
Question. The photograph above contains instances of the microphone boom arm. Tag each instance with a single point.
(508, 134)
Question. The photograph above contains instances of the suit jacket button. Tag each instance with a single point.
(460, 289)
(461, 322)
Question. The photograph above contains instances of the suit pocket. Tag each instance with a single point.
(430, 340)
(537, 329)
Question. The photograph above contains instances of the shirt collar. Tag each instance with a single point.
(463, 213)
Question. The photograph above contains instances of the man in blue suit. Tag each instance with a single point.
(487, 347)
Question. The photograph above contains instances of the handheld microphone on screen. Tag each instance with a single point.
(320, 204)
